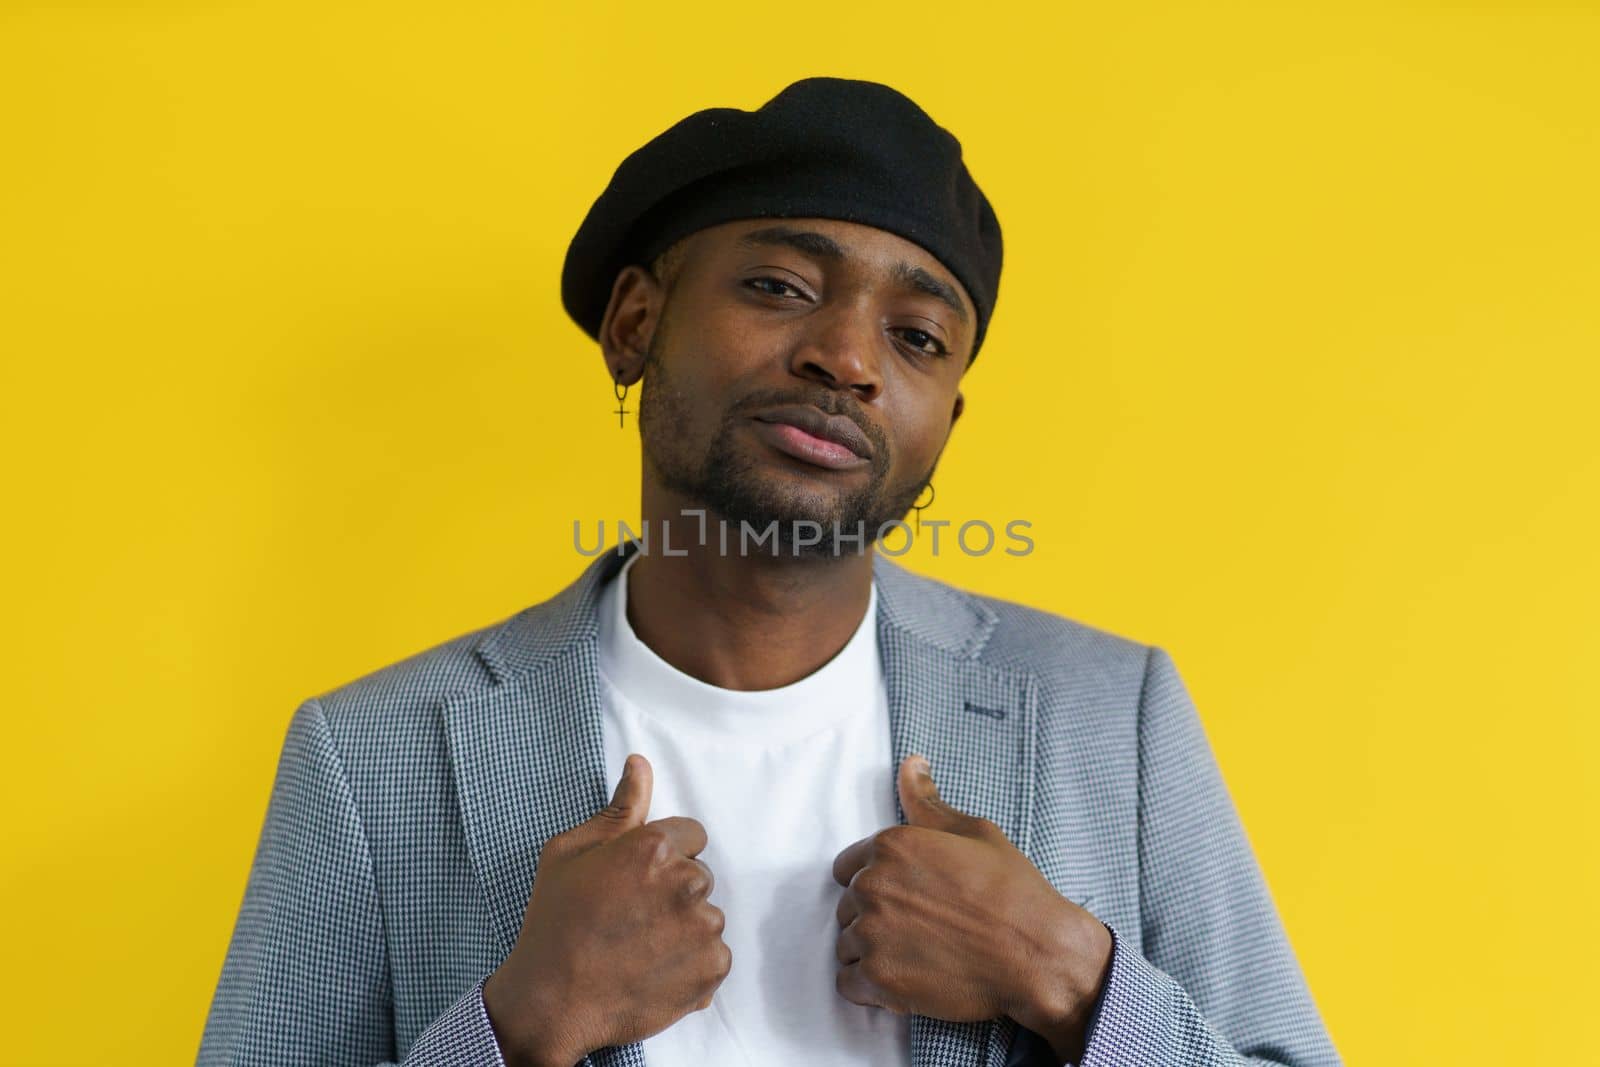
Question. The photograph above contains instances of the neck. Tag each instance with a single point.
(736, 621)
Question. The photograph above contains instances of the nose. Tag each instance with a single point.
(840, 351)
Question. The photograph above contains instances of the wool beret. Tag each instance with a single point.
(833, 148)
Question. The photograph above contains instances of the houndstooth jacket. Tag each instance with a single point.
(403, 832)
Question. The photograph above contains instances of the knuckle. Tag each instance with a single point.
(867, 885)
(892, 840)
(696, 883)
(716, 920)
(653, 844)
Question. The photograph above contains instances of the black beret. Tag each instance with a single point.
(832, 148)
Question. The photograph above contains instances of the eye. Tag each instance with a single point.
(919, 340)
(760, 283)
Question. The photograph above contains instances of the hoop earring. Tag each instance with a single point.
(620, 391)
(918, 507)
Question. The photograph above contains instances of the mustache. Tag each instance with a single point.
(828, 401)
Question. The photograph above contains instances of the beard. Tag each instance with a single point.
(732, 484)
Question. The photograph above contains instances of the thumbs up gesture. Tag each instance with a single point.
(618, 940)
(944, 917)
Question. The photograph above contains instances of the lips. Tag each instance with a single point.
(831, 429)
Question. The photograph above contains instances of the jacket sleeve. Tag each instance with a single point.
(1217, 982)
(306, 977)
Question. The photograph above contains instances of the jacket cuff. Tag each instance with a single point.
(461, 1037)
(1133, 1018)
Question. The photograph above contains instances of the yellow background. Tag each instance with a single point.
(1293, 370)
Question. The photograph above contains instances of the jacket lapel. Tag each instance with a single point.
(529, 761)
(975, 724)
(528, 753)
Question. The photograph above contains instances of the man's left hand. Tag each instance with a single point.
(944, 917)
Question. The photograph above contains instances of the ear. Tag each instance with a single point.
(959, 406)
(630, 321)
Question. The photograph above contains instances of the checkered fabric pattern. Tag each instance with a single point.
(405, 822)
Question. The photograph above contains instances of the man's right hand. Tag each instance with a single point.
(618, 939)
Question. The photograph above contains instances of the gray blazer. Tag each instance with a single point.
(409, 807)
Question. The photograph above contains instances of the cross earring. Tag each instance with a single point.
(918, 507)
(621, 393)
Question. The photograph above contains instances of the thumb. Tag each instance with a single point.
(920, 799)
(630, 802)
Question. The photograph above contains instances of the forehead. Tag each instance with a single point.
(835, 241)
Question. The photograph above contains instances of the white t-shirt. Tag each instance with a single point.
(782, 779)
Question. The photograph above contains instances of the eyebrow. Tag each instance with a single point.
(821, 246)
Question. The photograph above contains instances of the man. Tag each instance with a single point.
(447, 874)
